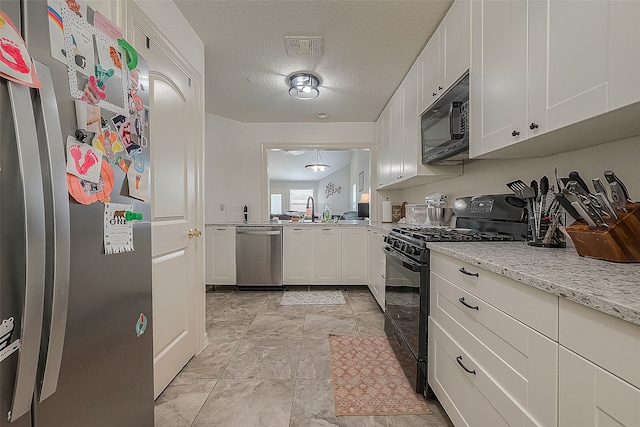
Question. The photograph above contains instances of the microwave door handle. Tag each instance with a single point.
(455, 131)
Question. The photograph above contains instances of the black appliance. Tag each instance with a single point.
(478, 219)
(363, 210)
(444, 127)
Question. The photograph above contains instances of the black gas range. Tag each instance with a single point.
(487, 218)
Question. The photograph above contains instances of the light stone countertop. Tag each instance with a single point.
(611, 288)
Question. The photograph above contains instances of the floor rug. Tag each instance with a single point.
(368, 380)
(312, 297)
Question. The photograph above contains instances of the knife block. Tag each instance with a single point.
(619, 243)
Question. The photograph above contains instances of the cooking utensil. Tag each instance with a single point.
(601, 194)
(611, 178)
(580, 207)
(566, 205)
(521, 189)
(575, 176)
(555, 170)
(588, 204)
(618, 196)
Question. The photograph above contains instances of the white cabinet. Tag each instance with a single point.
(493, 348)
(383, 147)
(446, 56)
(498, 78)
(429, 73)
(296, 255)
(221, 255)
(404, 158)
(377, 263)
(592, 397)
(443, 61)
(354, 255)
(599, 380)
(396, 144)
(326, 255)
(549, 71)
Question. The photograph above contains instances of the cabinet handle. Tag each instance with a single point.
(434, 94)
(220, 229)
(470, 371)
(466, 304)
(463, 271)
(326, 229)
(533, 126)
(297, 229)
(515, 133)
(439, 87)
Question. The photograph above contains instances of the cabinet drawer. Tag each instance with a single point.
(470, 399)
(591, 396)
(531, 306)
(522, 361)
(609, 342)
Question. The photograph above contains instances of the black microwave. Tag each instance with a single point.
(444, 127)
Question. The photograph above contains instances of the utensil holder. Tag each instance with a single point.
(557, 238)
(619, 243)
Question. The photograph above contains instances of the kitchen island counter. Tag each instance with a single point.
(611, 288)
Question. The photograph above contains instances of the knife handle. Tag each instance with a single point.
(575, 176)
(611, 178)
(567, 206)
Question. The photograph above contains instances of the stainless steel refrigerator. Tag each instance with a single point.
(74, 310)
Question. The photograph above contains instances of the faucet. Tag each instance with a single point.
(313, 215)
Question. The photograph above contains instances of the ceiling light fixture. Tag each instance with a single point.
(322, 115)
(318, 166)
(304, 86)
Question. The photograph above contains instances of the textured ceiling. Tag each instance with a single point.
(368, 47)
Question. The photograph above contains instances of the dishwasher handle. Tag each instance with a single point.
(259, 233)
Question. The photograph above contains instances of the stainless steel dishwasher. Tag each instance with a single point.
(259, 256)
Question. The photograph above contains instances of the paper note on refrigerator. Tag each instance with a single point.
(118, 232)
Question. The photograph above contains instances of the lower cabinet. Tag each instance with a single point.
(376, 265)
(593, 397)
(326, 256)
(296, 255)
(489, 367)
(354, 255)
(221, 255)
(599, 379)
(502, 353)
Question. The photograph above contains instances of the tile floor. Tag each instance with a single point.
(268, 365)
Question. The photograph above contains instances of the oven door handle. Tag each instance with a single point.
(406, 262)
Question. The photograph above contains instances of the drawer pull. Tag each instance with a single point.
(466, 304)
(463, 271)
(459, 360)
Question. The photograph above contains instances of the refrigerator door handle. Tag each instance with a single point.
(35, 247)
(52, 152)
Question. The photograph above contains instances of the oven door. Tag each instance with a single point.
(406, 306)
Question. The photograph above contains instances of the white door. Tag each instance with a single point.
(173, 172)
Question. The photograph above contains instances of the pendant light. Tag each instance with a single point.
(318, 166)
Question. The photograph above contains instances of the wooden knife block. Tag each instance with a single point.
(619, 243)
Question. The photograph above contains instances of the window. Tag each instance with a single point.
(298, 199)
(276, 203)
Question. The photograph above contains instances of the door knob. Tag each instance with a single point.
(194, 232)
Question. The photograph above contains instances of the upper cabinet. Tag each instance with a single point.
(552, 76)
(446, 56)
(443, 61)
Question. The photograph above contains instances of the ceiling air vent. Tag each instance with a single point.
(303, 45)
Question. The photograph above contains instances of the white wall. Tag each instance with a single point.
(339, 202)
(360, 163)
(233, 159)
(490, 176)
